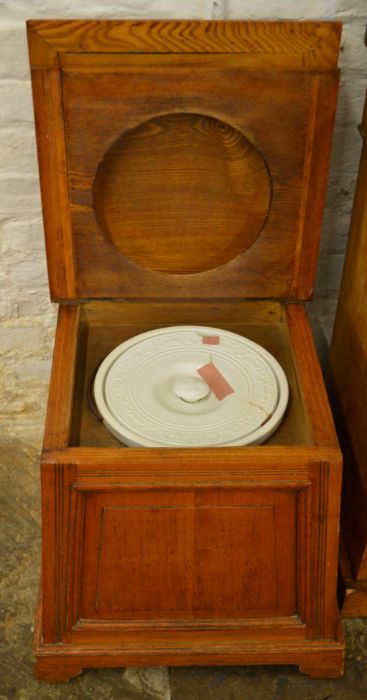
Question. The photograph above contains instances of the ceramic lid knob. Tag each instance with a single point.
(191, 389)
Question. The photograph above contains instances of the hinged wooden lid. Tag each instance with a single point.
(183, 158)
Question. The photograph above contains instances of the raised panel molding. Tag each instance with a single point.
(190, 555)
(146, 552)
(254, 518)
(81, 570)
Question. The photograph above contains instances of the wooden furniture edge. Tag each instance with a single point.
(48, 38)
(51, 150)
(323, 101)
(56, 485)
(238, 458)
(103, 312)
(327, 482)
(57, 662)
(41, 52)
(60, 397)
(314, 391)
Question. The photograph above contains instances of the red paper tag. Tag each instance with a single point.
(211, 339)
(215, 380)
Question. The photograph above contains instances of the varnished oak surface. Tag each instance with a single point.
(58, 663)
(176, 578)
(61, 389)
(182, 193)
(54, 187)
(240, 205)
(348, 375)
(295, 44)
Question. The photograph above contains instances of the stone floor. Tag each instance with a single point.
(19, 567)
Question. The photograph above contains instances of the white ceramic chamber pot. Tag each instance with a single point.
(190, 386)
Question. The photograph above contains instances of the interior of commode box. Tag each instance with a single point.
(104, 325)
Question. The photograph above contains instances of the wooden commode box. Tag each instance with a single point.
(183, 170)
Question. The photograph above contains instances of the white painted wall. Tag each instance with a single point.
(26, 316)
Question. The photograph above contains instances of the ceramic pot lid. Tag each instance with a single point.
(190, 386)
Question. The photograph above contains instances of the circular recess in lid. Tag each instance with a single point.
(169, 388)
(182, 193)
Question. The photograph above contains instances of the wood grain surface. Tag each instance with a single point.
(311, 378)
(183, 216)
(47, 100)
(175, 574)
(59, 415)
(81, 575)
(182, 193)
(98, 104)
(313, 44)
(59, 663)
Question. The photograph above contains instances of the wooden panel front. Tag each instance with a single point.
(188, 555)
(166, 542)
